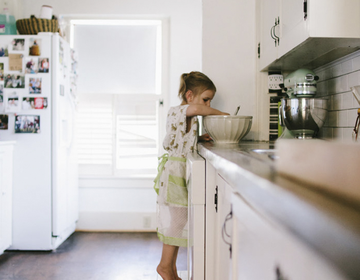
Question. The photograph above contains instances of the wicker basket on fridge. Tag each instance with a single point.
(33, 25)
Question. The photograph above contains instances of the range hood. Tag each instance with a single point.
(315, 52)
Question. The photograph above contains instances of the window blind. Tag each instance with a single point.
(95, 130)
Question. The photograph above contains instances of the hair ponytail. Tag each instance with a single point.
(195, 81)
(182, 89)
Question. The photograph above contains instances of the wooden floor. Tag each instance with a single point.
(91, 256)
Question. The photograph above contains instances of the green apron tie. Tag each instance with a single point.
(163, 159)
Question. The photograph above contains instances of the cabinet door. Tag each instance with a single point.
(334, 18)
(293, 25)
(224, 229)
(210, 223)
(269, 12)
(6, 165)
(263, 249)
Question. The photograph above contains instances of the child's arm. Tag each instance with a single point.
(202, 110)
(204, 138)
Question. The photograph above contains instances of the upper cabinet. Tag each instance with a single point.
(306, 33)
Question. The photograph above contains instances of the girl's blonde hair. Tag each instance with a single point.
(195, 81)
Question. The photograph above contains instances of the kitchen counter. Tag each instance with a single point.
(327, 224)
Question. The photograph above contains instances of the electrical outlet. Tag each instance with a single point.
(274, 80)
(147, 222)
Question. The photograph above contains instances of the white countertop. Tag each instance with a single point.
(327, 224)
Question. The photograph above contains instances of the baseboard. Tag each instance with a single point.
(116, 221)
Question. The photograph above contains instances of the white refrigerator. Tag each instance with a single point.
(39, 109)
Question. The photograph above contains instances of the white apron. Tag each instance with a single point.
(170, 183)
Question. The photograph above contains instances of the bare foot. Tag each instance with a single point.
(177, 277)
(166, 274)
(175, 273)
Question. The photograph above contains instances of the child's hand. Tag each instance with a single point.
(204, 138)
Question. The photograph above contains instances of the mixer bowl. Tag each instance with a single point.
(304, 116)
(227, 129)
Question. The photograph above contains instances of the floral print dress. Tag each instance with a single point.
(172, 191)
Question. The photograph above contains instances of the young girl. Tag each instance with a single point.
(196, 92)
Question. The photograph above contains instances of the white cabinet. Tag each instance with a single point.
(269, 16)
(211, 221)
(306, 33)
(6, 173)
(263, 249)
(224, 229)
(195, 177)
(218, 226)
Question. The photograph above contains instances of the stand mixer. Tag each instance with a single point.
(301, 113)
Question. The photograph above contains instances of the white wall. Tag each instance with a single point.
(128, 204)
(335, 80)
(229, 55)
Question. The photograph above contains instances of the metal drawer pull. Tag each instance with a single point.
(223, 230)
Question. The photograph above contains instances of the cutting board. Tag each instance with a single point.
(329, 165)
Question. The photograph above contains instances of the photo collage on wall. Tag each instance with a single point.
(21, 62)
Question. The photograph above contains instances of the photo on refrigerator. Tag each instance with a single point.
(12, 103)
(35, 85)
(27, 124)
(35, 46)
(31, 65)
(1, 71)
(2, 102)
(44, 65)
(29, 103)
(16, 62)
(18, 45)
(4, 122)
(14, 81)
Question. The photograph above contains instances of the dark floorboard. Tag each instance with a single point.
(93, 256)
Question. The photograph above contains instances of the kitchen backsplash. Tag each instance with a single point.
(335, 80)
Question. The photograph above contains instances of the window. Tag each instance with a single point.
(137, 137)
(119, 87)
